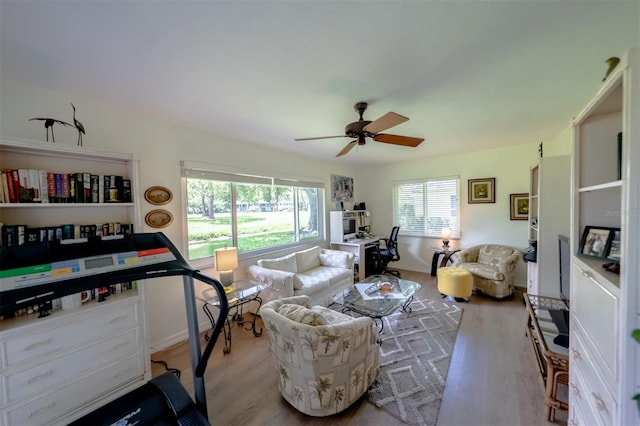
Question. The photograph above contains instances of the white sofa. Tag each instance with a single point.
(316, 272)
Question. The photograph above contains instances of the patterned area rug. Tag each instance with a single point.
(415, 353)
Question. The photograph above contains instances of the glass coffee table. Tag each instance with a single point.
(378, 296)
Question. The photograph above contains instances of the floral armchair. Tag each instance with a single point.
(325, 360)
(492, 267)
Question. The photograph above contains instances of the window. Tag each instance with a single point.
(425, 207)
(252, 213)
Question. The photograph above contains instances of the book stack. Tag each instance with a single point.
(41, 186)
(16, 235)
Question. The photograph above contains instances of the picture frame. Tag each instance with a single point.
(341, 188)
(482, 191)
(519, 206)
(614, 249)
(158, 195)
(158, 218)
(596, 241)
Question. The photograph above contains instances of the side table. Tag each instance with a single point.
(437, 251)
(547, 329)
(238, 294)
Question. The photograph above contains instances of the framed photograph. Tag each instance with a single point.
(158, 195)
(482, 191)
(519, 206)
(595, 241)
(613, 250)
(158, 218)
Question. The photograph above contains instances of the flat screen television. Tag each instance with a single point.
(564, 251)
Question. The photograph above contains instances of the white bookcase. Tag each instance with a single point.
(605, 307)
(549, 192)
(58, 368)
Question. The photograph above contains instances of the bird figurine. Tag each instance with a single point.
(48, 123)
(78, 125)
(613, 63)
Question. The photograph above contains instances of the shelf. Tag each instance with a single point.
(62, 205)
(607, 185)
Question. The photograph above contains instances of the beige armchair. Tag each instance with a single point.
(492, 267)
(325, 360)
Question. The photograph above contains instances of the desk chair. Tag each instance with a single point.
(390, 252)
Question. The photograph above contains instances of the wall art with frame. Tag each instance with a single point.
(519, 209)
(341, 188)
(596, 241)
(482, 191)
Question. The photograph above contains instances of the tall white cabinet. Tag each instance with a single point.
(549, 193)
(58, 368)
(605, 307)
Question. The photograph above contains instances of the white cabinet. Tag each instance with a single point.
(57, 368)
(549, 201)
(605, 306)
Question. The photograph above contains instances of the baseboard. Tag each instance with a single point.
(176, 338)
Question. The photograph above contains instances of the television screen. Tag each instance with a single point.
(348, 226)
(564, 250)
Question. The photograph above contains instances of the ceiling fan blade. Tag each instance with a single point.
(385, 122)
(347, 148)
(398, 140)
(319, 137)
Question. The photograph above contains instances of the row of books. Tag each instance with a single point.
(41, 186)
(15, 235)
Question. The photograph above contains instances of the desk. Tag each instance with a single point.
(238, 294)
(437, 251)
(358, 246)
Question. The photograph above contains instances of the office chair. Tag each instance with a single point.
(390, 252)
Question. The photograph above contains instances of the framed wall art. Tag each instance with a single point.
(595, 241)
(482, 191)
(158, 218)
(519, 206)
(341, 188)
(158, 195)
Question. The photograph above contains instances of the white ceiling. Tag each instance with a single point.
(469, 74)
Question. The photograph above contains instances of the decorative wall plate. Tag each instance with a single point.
(158, 218)
(158, 195)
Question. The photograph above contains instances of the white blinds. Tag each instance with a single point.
(424, 207)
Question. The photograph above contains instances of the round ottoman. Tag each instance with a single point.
(455, 283)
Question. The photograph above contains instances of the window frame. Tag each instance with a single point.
(192, 170)
(455, 227)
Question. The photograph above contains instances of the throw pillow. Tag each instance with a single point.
(286, 263)
(337, 260)
(302, 314)
(308, 259)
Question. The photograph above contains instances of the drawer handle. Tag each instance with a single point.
(576, 354)
(116, 319)
(121, 372)
(42, 410)
(40, 377)
(119, 345)
(575, 391)
(37, 345)
(600, 405)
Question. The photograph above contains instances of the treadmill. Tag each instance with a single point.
(28, 278)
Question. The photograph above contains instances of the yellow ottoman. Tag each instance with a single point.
(455, 283)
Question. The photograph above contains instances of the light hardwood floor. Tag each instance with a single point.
(492, 380)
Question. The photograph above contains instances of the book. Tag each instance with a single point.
(44, 186)
(95, 188)
(34, 183)
(2, 186)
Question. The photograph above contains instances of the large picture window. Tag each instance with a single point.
(424, 207)
(252, 213)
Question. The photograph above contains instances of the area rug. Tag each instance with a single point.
(414, 359)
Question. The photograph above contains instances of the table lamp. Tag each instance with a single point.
(446, 234)
(226, 262)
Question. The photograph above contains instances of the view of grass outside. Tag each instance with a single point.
(265, 215)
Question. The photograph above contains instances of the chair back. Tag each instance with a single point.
(392, 244)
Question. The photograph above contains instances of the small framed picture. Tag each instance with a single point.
(482, 191)
(613, 251)
(595, 241)
(519, 206)
(158, 195)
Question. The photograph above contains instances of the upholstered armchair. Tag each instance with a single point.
(325, 360)
(492, 267)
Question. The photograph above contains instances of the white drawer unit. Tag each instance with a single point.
(72, 360)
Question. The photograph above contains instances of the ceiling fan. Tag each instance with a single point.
(362, 129)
